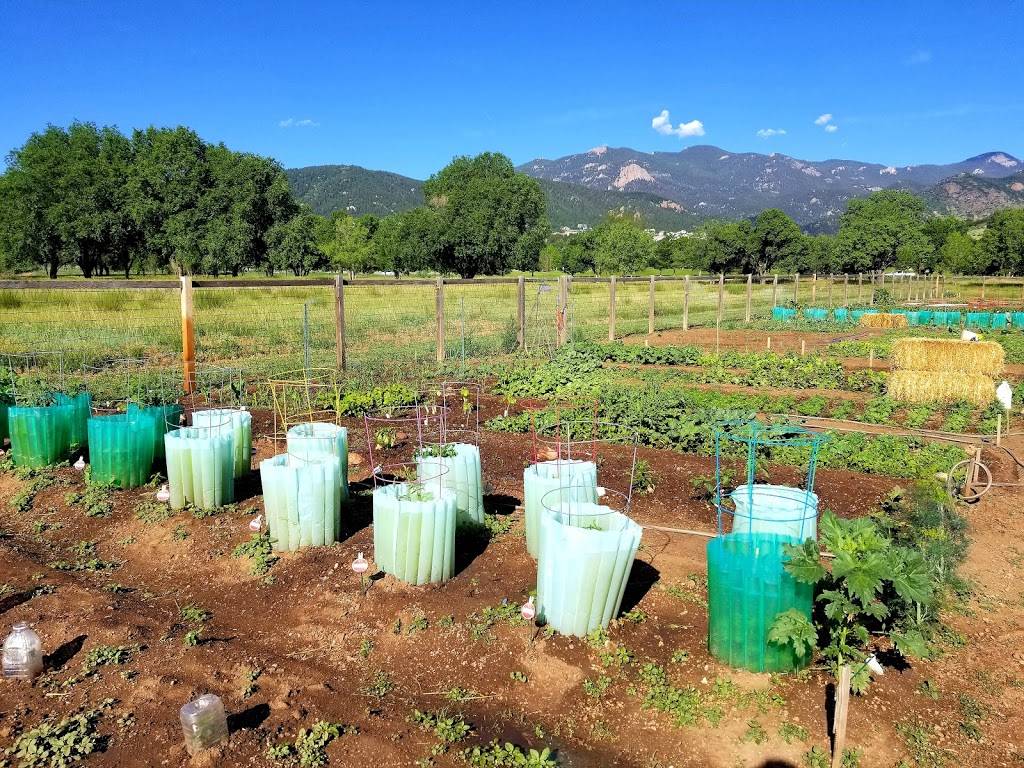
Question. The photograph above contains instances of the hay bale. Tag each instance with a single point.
(883, 320)
(948, 356)
(932, 386)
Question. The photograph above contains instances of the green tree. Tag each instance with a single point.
(578, 253)
(408, 241)
(348, 243)
(622, 246)
(961, 255)
(727, 246)
(882, 230)
(492, 218)
(293, 244)
(777, 239)
(1002, 245)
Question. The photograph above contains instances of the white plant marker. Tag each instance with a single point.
(164, 494)
(360, 566)
(529, 610)
(256, 524)
(80, 464)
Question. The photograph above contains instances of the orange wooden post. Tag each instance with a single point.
(188, 336)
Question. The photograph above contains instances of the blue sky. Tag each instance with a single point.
(406, 86)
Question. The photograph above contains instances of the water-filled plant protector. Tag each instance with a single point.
(165, 418)
(462, 476)
(747, 588)
(762, 508)
(121, 448)
(81, 409)
(4, 428)
(783, 313)
(586, 554)
(414, 531)
(200, 466)
(241, 427)
(314, 438)
(577, 480)
(302, 498)
(39, 434)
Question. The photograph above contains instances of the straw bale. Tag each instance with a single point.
(948, 356)
(882, 320)
(932, 386)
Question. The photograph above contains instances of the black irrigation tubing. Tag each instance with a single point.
(858, 426)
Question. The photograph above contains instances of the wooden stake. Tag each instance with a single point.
(611, 309)
(188, 336)
(521, 313)
(871, 358)
(339, 321)
(840, 715)
(686, 303)
(718, 322)
(830, 283)
(846, 290)
(814, 287)
(860, 286)
(749, 294)
(439, 312)
(775, 290)
(796, 288)
(769, 343)
(803, 347)
(650, 307)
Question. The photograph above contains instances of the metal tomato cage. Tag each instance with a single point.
(394, 435)
(458, 405)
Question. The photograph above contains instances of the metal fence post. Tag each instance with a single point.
(686, 303)
(521, 313)
(563, 310)
(439, 310)
(650, 307)
(188, 336)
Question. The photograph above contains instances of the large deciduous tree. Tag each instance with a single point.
(883, 230)
(492, 218)
(1002, 245)
(777, 239)
(294, 244)
(622, 246)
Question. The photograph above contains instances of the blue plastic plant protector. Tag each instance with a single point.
(302, 499)
(1000, 320)
(816, 313)
(777, 509)
(241, 426)
(841, 315)
(200, 466)
(586, 555)
(463, 477)
(577, 478)
(322, 437)
(1018, 320)
(414, 531)
(783, 313)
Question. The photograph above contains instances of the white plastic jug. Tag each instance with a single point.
(1004, 394)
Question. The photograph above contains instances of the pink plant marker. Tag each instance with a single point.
(529, 610)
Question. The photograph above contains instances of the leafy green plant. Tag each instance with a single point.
(153, 512)
(310, 745)
(448, 729)
(509, 755)
(86, 559)
(644, 477)
(873, 586)
(259, 549)
(595, 688)
(790, 732)
(94, 500)
(385, 437)
(58, 744)
(438, 451)
(380, 685)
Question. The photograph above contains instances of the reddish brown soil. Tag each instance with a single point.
(305, 631)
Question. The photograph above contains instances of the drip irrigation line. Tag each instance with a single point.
(858, 426)
(705, 534)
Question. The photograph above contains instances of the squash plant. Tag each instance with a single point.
(873, 587)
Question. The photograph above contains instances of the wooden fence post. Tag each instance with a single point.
(650, 307)
(796, 288)
(749, 289)
(846, 290)
(814, 287)
(775, 290)
(831, 280)
(839, 715)
(860, 287)
(611, 309)
(339, 320)
(439, 310)
(686, 303)
(188, 336)
(983, 289)
(521, 313)
(721, 296)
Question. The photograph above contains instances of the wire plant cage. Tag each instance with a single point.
(31, 377)
(586, 439)
(395, 435)
(761, 507)
(304, 396)
(459, 410)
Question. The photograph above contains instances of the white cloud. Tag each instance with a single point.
(823, 119)
(919, 57)
(767, 133)
(291, 122)
(831, 128)
(663, 125)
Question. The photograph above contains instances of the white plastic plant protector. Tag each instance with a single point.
(414, 531)
(463, 477)
(302, 499)
(576, 478)
(586, 555)
(781, 509)
(241, 426)
(200, 466)
(322, 437)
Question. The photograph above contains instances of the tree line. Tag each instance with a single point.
(163, 200)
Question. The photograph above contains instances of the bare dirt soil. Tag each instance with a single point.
(320, 648)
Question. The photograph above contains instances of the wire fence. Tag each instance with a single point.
(265, 327)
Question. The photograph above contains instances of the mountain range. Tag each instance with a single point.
(676, 190)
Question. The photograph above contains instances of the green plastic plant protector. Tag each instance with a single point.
(81, 409)
(165, 418)
(414, 531)
(4, 429)
(302, 499)
(321, 438)
(763, 508)
(576, 478)
(463, 477)
(121, 448)
(747, 588)
(241, 425)
(39, 434)
(586, 554)
(200, 466)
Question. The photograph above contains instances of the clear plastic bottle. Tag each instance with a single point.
(23, 653)
(203, 722)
